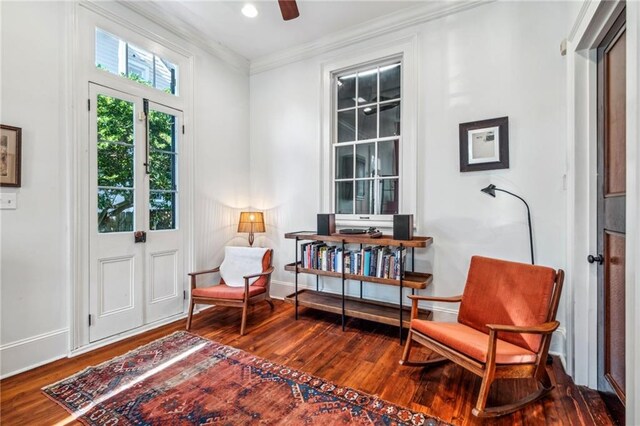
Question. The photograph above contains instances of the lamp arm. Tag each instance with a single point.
(528, 220)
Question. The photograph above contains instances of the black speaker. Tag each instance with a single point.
(402, 226)
(326, 224)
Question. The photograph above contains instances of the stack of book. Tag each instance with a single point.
(376, 261)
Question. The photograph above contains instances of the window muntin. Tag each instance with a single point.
(119, 57)
(367, 139)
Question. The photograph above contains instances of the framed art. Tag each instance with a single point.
(10, 155)
(484, 145)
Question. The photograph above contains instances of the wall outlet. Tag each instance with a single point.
(8, 201)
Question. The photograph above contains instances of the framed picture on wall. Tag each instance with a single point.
(10, 155)
(484, 145)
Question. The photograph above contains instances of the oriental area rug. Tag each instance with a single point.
(184, 379)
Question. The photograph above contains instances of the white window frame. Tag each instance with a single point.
(404, 49)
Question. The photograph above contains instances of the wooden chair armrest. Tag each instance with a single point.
(267, 272)
(452, 299)
(545, 328)
(415, 298)
(208, 271)
(193, 275)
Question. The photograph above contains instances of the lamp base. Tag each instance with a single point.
(251, 236)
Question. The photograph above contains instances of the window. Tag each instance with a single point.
(367, 139)
(121, 58)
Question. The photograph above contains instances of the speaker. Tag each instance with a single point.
(402, 226)
(326, 224)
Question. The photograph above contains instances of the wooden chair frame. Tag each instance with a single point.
(491, 371)
(244, 303)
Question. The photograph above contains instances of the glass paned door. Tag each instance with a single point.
(134, 190)
(164, 256)
(116, 190)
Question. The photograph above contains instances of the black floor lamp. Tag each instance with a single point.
(491, 190)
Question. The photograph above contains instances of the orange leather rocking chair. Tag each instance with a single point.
(505, 321)
(255, 288)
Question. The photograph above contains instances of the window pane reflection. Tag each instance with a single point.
(344, 197)
(364, 196)
(347, 126)
(388, 196)
(367, 122)
(344, 162)
(388, 158)
(346, 91)
(390, 82)
(390, 119)
(365, 160)
(368, 86)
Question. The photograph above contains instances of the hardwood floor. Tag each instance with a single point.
(364, 357)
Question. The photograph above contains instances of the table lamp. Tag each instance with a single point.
(251, 222)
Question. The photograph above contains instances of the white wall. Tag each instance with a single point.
(35, 277)
(495, 60)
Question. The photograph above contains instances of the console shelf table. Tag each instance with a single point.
(348, 306)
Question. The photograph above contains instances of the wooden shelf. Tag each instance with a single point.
(385, 313)
(385, 240)
(416, 280)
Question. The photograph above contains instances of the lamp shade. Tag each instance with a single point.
(491, 190)
(251, 222)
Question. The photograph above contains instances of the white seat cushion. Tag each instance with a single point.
(239, 262)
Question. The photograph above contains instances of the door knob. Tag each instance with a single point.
(593, 259)
(140, 237)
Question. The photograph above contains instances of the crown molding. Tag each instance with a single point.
(365, 31)
(578, 22)
(150, 11)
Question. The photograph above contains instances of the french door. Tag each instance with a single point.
(136, 239)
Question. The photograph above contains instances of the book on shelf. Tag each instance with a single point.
(372, 261)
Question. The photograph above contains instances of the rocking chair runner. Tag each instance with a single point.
(235, 296)
(506, 318)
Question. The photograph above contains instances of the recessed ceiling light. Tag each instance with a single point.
(249, 11)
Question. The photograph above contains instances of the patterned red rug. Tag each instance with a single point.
(185, 379)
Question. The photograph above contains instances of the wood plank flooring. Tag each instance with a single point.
(364, 357)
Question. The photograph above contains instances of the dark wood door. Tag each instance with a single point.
(611, 217)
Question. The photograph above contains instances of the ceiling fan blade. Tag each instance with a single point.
(289, 9)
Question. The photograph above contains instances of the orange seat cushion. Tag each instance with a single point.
(472, 342)
(507, 293)
(223, 291)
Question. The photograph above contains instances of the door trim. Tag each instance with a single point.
(590, 24)
(82, 22)
(593, 23)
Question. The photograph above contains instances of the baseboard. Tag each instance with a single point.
(125, 335)
(558, 344)
(281, 289)
(26, 354)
